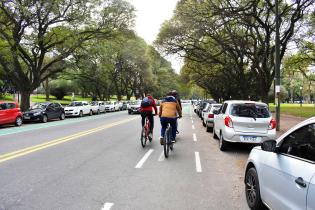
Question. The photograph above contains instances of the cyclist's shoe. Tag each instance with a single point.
(173, 141)
(161, 140)
(177, 132)
(150, 136)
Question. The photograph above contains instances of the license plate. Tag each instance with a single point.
(252, 139)
(27, 118)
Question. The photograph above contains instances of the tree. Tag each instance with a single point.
(237, 37)
(36, 37)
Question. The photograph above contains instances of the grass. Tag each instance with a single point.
(65, 101)
(306, 111)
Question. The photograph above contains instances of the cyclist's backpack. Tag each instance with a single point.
(146, 102)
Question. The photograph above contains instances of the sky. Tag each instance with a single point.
(150, 16)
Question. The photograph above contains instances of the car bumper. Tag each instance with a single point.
(249, 137)
(69, 114)
(210, 123)
(32, 118)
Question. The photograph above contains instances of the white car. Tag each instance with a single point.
(111, 106)
(134, 107)
(281, 174)
(78, 108)
(208, 116)
(243, 122)
(98, 107)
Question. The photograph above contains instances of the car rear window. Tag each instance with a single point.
(250, 110)
(11, 106)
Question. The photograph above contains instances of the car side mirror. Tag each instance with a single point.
(269, 146)
(215, 112)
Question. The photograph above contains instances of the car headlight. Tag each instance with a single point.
(37, 113)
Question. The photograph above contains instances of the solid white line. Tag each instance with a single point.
(162, 157)
(107, 206)
(198, 163)
(192, 121)
(193, 127)
(145, 157)
(195, 137)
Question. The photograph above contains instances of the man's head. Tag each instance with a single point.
(149, 95)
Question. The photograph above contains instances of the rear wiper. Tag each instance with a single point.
(253, 114)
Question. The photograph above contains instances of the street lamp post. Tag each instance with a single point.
(277, 67)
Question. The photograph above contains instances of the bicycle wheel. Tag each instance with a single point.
(167, 141)
(143, 137)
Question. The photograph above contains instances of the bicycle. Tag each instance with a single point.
(168, 144)
(145, 132)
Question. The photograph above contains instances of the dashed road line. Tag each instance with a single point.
(107, 206)
(194, 137)
(145, 157)
(162, 157)
(198, 163)
(193, 127)
(192, 121)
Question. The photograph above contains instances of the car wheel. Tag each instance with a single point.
(18, 121)
(81, 114)
(98, 112)
(222, 143)
(91, 113)
(203, 123)
(252, 190)
(209, 129)
(45, 118)
(62, 116)
(213, 132)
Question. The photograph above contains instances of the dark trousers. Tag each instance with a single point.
(164, 123)
(151, 120)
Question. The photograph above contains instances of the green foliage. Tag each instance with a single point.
(306, 111)
(60, 89)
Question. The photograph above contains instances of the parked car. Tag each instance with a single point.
(203, 105)
(134, 107)
(10, 113)
(120, 105)
(78, 108)
(244, 122)
(209, 116)
(125, 105)
(111, 106)
(98, 107)
(44, 111)
(281, 173)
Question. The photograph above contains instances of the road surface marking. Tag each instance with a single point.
(162, 157)
(107, 206)
(193, 127)
(192, 121)
(14, 130)
(145, 157)
(195, 137)
(198, 163)
(28, 150)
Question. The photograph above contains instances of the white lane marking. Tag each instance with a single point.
(145, 157)
(162, 157)
(192, 121)
(195, 137)
(193, 127)
(107, 206)
(198, 163)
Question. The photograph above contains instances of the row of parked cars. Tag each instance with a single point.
(280, 173)
(10, 112)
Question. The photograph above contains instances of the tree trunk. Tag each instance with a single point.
(47, 90)
(25, 100)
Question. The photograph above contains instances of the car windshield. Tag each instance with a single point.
(75, 104)
(39, 106)
(250, 110)
(108, 102)
(94, 103)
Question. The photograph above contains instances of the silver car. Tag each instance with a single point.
(281, 174)
(244, 122)
(208, 117)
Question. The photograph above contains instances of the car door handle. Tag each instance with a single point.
(300, 181)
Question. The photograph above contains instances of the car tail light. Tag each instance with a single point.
(210, 115)
(272, 124)
(228, 122)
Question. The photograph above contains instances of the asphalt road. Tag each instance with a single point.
(98, 163)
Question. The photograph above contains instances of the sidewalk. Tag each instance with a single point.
(287, 122)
